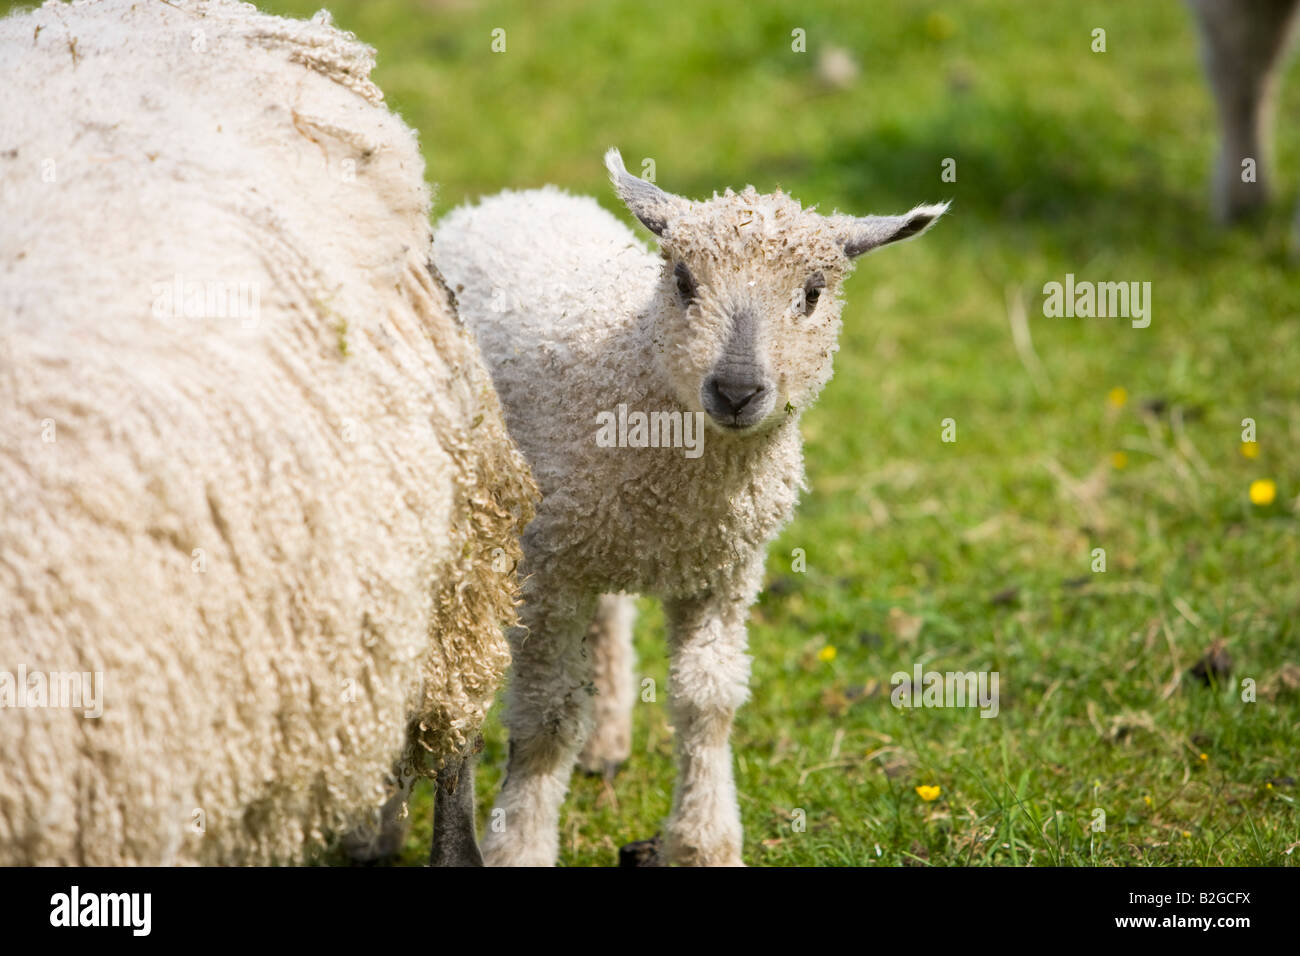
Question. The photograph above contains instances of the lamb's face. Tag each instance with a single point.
(749, 312)
(752, 310)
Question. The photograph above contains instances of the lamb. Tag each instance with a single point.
(1243, 44)
(258, 507)
(733, 324)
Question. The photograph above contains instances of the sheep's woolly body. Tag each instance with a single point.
(280, 540)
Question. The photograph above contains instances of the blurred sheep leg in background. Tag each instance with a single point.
(613, 662)
(1242, 43)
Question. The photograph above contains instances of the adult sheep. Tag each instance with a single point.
(657, 398)
(257, 504)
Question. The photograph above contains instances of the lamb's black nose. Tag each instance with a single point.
(734, 395)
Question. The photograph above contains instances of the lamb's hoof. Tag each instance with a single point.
(605, 769)
(456, 855)
(642, 853)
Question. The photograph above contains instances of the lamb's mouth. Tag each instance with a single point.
(737, 405)
(735, 427)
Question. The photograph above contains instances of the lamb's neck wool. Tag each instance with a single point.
(251, 470)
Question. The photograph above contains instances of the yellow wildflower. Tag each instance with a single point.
(927, 793)
(1250, 449)
(939, 27)
(1263, 491)
(826, 654)
(1117, 396)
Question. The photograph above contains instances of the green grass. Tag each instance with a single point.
(1067, 161)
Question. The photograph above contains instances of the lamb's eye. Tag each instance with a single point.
(686, 287)
(812, 292)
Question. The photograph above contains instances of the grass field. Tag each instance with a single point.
(976, 554)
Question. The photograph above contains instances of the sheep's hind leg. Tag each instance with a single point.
(454, 841)
(613, 661)
(548, 715)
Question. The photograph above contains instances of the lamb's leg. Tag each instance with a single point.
(1243, 42)
(548, 715)
(708, 680)
(613, 660)
(454, 842)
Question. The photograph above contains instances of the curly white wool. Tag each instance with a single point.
(252, 470)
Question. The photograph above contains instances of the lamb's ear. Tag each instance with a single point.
(863, 233)
(648, 202)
